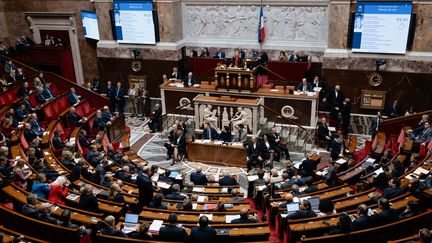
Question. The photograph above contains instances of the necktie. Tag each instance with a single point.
(236, 61)
(209, 133)
(118, 90)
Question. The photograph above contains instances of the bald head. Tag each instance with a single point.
(244, 213)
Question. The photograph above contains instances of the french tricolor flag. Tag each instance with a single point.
(261, 30)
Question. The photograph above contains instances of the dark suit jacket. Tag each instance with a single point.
(96, 123)
(113, 232)
(145, 189)
(243, 221)
(335, 148)
(178, 75)
(301, 214)
(58, 143)
(88, 202)
(20, 114)
(29, 135)
(255, 152)
(391, 192)
(74, 118)
(181, 143)
(174, 196)
(22, 91)
(40, 98)
(225, 137)
(47, 93)
(333, 100)
(300, 86)
(323, 131)
(109, 92)
(84, 142)
(119, 94)
(106, 116)
(27, 104)
(213, 134)
(186, 81)
(30, 211)
(387, 216)
(200, 235)
(172, 233)
(307, 167)
(227, 181)
(198, 178)
(72, 100)
(363, 222)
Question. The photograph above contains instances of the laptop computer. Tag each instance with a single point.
(131, 222)
(292, 207)
(315, 202)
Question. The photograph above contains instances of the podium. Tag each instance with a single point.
(235, 78)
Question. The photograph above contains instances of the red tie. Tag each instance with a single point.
(236, 61)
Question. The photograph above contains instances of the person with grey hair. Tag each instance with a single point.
(108, 227)
(235, 197)
(175, 193)
(244, 217)
(45, 213)
(87, 200)
(227, 180)
(29, 209)
(198, 178)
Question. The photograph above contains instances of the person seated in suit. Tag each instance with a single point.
(79, 170)
(29, 209)
(209, 132)
(293, 57)
(108, 227)
(98, 123)
(344, 226)
(108, 180)
(40, 187)
(64, 219)
(237, 60)
(73, 97)
(47, 92)
(175, 193)
(225, 135)
(84, 139)
(244, 217)
(12, 77)
(425, 136)
(393, 110)
(413, 208)
(106, 115)
(20, 113)
(303, 86)
(157, 202)
(255, 152)
(87, 200)
(307, 167)
(197, 177)
(235, 197)
(275, 141)
(40, 97)
(363, 220)
(141, 232)
(35, 125)
(23, 90)
(305, 211)
(57, 141)
(179, 144)
(45, 211)
(28, 105)
(391, 192)
(203, 233)
(324, 135)
(419, 129)
(175, 74)
(124, 174)
(387, 214)
(74, 118)
(172, 232)
(190, 80)
(29, 135)
(240, 134)
(336, 146)
(226, 179)
(187, 205)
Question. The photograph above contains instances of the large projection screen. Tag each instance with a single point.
(134, 22)
(381, 27)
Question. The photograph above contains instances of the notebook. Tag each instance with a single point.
(131, 221)
(292, 207)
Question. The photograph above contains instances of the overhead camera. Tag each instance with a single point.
(379, 63)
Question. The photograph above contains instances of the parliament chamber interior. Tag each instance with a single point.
(215, 121)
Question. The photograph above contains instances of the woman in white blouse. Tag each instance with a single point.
(133, 99)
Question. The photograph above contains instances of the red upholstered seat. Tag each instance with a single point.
(63, 103)
(86, 108)
(79, 110)
(32, 99)
(48, 113)
(24, 143)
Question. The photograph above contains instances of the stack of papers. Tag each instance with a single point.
(420, 171)
(341, 161)
(155, 225)
(229, 218)
(198, 189)
(163, 185)
(252, 178)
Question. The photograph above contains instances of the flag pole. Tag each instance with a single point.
(263, 23)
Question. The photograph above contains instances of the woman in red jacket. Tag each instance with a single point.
(58, 191)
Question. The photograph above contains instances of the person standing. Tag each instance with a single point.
(119, 98)
(146, 104)
(133, 99)
(346, 116)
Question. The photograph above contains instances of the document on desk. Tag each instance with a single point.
(260, 188)
(420, 170)
(155, 225)
(72, 197)
(209, 216)
(201, 199)
(252, 178)
(370, 160)
(341, 161)
(163, 185)
(229, 218)
(198, 189)
(379, 171)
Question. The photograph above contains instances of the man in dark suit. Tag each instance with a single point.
(209, 132)
(109, 92)
(394, 190)
(73, 97)
(335, 148)
(255, 152)
(20, 76)
(109, 227)
(203, 233)
(419, 129)
(275, 142)
(387, 214)
(155, 117)
(190, 80)
(363, 220)
(45, 213)
(106, 115)
(145, 188)
(21, 113)
(227, 180)
(375, 123)
(346, 116)
(293, 57)
(35, 125)
(47, 92)
(30, 209)
(393, 110)
(305, 211)
(198, 178)
(219, 54)
(324, 135)
(304, 86)
(175, 193)
(244, 218)
(74, 118)
(334, 98)
(83, 139)
(119, 98)
(57, 141)
(307, 167)
(176, 74)
(171, 232)
(240, 134)
(40, 97)
(317, 83)
(29, 135)
(426, 135)
(23, 90)
(29, 107)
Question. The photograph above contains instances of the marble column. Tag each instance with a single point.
(104, 21)
(339, 15)
(170, 20)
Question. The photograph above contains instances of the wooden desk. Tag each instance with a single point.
(217, 154)
(235, 78)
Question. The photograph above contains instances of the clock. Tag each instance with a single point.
(136, 66)
(375, 79)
